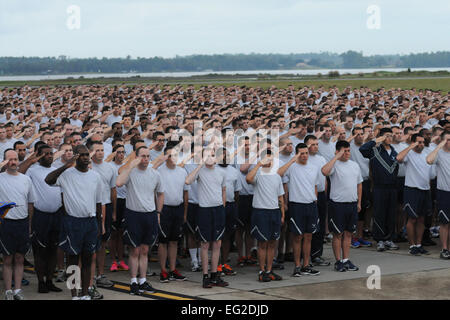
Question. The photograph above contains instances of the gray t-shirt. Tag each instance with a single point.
(327, 150)
(302, 182)
(210, 184)
(442, 163)
(418, 171)
(357, 156)
(81, 192)
(18, 189)
(319, 162)
(121, 191)
(47, 198)
(232, 181)
(345, 177)
(141, 188)
(267, 189)
(108, 177)
(173, 181)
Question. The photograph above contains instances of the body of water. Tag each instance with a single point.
(202, 73)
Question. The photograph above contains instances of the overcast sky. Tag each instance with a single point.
(147, 28)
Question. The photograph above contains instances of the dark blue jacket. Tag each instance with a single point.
(384, 167)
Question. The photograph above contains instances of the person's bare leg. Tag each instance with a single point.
(262, 253)
(296, 246)
(18, 270)
(172, 253)
(420, 228)
(306, 248)
(444, 236)
(8, 271)
(337, 245)
(86, 272)
(101, 259)
(73, 261)
(113, 245)
(162, 255)
(270, 253)
(93, 266)
(411, 231)
(346, 242)
(143, 260)
(225, 248)
(239, 242)
(133, 261)
(215, 255)
(204, 255)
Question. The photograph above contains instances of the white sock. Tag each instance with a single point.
(142, 280)
(419, 245)
(344, 260)
(17, 291)
(193, 253)
(199, 252)
(133, 280)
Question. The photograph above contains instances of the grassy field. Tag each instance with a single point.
(404, 80)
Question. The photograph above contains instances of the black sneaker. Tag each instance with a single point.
(146, 287)
(52, 287)
(445, 254)
(42, 287)
(134, 289)
(163, 277)
(309, 271)
(423, 251)
(273, 276)
(350, 266)
(218, 282)
(207, 283)
(175, 275)
(414, 251)
(320, 262)
(263, 277)
(297, 272)
(339, 266)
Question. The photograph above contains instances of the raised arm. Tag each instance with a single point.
(283, 169)
(125, 173)
(54, 175)
(431, 158)
(402, 155)
(326, 169)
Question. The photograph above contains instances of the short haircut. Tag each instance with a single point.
(342, 144)
(138, 150)
(310, 137)
(383, 131)
(415, 136)
(299, 146)
(18, 143)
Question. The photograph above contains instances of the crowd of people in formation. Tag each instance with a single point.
(270, 173)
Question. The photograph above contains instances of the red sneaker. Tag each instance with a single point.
(123, 266)
(114, 267)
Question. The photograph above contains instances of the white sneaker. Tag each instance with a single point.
(85, 298)
(9, 295)
(380, 246)
(76, 298)
(390, 245)
(19, 295)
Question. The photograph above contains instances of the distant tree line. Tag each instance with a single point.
(222, 62)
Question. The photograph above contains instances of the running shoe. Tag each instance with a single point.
(380, 246)
(150, 273)
(414, 251)
(251, 261)
(61, 276)
(114, 267)
(163, 277)
(241, 262)
(355, 244)
(218, 282)
(445, 254)
(146, 287)
(206, 282)
(9, 295)
(423, 251)
(390, 245)
(176, 275)
(339, 266)
(219, 270)
(329, 237)
(51, 287)
(94, 293)
(308, 271)
(227, 270)
(348, 265)
(364, 243)
(263, 277)
(103, 282)
(42, 287)
(320, 262)
(195, 267)
(277, 265)
(297, 272)
(274, 277)
(25, 282)
(87, 298)
(134, 289)
(123, 266)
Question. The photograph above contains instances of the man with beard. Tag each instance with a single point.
(46, 221)
(14, 230)
(417, 196)
(82, 223)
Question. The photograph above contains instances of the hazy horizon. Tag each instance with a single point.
(140, 28)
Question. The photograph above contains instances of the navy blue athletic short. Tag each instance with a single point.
(210, 223)
(79, 235)
(140, 228)
(45, 228)
(108, 222)
(443, 206)
(120, 209)
(266, 224)
(14, 236)
(171, 223)
(191, 219)
(304, 218)
(231, 221)
(417, 202)
(342, 216)
(245, 210)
